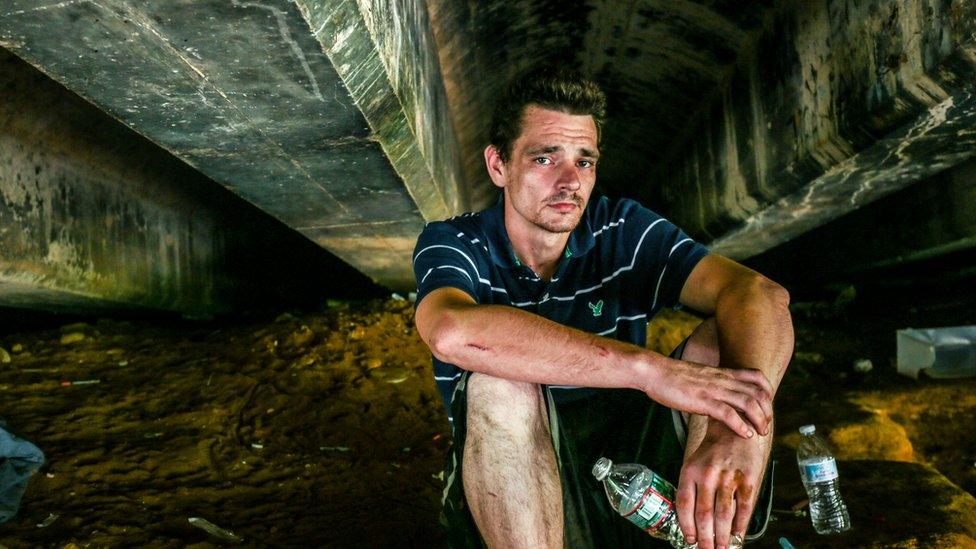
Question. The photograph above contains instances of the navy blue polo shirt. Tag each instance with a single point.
(621, 265)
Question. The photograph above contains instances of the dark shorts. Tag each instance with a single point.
(623, 425)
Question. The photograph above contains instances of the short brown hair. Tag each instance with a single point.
(560, 90)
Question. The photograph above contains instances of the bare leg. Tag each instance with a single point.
(511, 481)
(702, 347)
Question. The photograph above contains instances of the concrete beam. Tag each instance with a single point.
(836, 105)
(248, 93)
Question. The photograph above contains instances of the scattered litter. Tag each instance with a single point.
(67, 383)
(4, 356)
(785, 543)
(334, 448)
(214, 530)
(813, 358)
(943, 353)
(396, 465)
(49, 475)
(209, 379)
(72, 337)
(412, 297)
(48, 521)
(152, 435)
(123, 363)
(257, 446)
(406, 449)
(438, 476)
(397, 297)
(17, 348)
(863, 366)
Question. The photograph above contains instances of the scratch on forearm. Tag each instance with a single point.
(478, 347)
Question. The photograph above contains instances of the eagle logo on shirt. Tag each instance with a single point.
(597, 308)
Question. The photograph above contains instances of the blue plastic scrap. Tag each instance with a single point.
(19, 459)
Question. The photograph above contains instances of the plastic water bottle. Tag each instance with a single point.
(818, 469)
(645, 499)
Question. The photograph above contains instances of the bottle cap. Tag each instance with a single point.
(602, 468)
(807, 430)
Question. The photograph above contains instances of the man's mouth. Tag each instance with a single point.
(565, 204)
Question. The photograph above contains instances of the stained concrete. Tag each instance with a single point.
(93, 216)
(834, 105)
(354, 122)
(317, 126)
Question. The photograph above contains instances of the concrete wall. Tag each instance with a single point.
(830, 87)
(93, 215)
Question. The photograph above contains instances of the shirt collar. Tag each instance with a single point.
(580, 240)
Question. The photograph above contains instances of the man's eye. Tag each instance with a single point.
(542, 160)
(586, 163)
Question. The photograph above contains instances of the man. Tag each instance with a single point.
(536, 311)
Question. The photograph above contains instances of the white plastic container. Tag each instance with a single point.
(943, 353)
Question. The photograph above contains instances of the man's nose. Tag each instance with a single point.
(569, 178)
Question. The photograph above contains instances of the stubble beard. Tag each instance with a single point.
(563, 223)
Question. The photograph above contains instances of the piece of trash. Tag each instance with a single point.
(863, 366)
(19, 459)
(152, 435)
(4, 356)
(209, 379)
(214, 530)
(257, 446)
(123, 363)
(412, 297)
(17, 348)
(397, 297)
(438, 476)
(785, 544)
(789, 512)
(334, 448)
(49, 475)
(68, 383)
(406, 449)
(73, 337)
(943, 353)
(48, 521)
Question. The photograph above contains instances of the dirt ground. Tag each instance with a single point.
(325, 429)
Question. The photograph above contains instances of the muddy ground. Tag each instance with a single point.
(325, 429)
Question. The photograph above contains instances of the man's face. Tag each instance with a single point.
(551, 171)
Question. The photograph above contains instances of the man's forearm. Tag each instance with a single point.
(507, 342)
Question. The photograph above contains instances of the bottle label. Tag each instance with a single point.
(820, 470)
(654, 506)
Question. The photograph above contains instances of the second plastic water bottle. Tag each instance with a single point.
(818, 470)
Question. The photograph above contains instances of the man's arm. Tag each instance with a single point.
(722, 472)
(509, 343)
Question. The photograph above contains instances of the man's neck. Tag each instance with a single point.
(535, 247)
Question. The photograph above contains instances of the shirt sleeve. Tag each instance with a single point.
(663, 260)
(442, 258)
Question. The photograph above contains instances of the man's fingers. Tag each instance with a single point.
(730, 416)
(753, 412)
(686, 508)
(756, 378)
(744, 505)
(724, 510)
(705, 513)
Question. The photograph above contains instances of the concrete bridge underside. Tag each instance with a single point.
(355, 121)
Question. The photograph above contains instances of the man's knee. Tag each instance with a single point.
(503, 406)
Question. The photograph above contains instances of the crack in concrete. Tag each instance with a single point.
(286, 36)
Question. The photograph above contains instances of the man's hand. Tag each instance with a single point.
(718, 486)
(740, 398)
